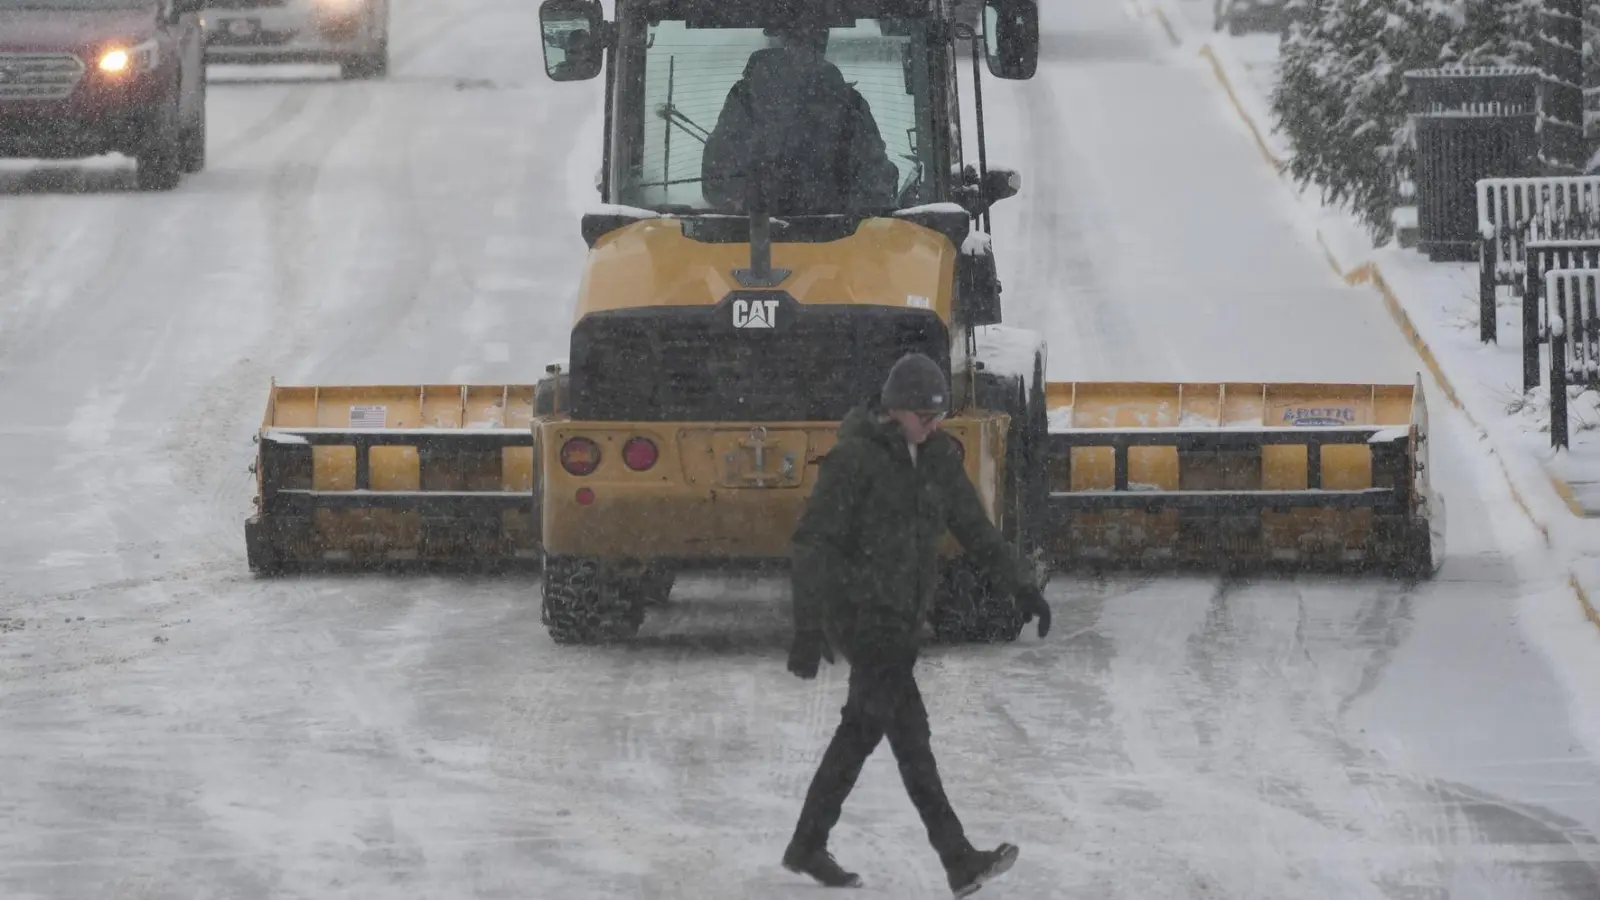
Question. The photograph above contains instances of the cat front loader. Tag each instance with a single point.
(716, 345)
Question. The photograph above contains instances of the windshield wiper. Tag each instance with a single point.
(670, 114)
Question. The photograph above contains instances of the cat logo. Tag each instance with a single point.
(755, 313)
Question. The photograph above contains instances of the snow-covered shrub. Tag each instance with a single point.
(1341, 98)
(1591, 79)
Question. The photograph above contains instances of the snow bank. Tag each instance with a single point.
(612, 209)
(1559, 630)
(934, 208)
(1436, 304)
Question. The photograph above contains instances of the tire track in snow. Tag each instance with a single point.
(224, 412)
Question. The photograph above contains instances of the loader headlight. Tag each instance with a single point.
(135, 59)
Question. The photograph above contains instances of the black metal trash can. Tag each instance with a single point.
(1471, 122)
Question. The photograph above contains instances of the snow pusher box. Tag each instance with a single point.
(1302, 476)
(376, 475)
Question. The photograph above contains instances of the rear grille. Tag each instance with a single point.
(39, 76)
(675, 364)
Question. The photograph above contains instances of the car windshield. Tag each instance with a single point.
(689, 71)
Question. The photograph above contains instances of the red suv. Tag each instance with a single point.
(79, 78)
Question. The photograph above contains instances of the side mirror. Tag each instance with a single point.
(1011, 38)
(977, 195)
(574, 47)
(1001, 184)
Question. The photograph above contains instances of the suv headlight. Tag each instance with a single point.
(136, 59)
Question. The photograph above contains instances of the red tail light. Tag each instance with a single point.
(640, 454)
(580, 456)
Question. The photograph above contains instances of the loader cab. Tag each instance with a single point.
(669, 66)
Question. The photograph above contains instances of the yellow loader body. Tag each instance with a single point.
(717, 494)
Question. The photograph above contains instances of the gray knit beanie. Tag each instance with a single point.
(915, 383)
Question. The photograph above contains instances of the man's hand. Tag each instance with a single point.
(1031, 602)
(806, 653)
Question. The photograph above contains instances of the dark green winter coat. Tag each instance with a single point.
(865, 552)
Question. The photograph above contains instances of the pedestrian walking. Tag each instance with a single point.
(865, 565)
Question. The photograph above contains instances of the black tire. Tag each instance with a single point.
(371, 65)
(160, 161)
(194, 138)
(967, 607)
(1025, 492)
(655, 588)
(583, 604)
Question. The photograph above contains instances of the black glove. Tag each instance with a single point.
(1031, 602)
(806, 652)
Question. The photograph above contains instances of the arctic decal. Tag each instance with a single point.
(755, 313)
(369, 416)
(1314, 416)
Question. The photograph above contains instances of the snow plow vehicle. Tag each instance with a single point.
(717, 344)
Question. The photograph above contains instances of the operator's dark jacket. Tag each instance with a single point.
(865, 552)
(815, 129)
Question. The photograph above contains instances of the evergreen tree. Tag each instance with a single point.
(1341, 96)
(1591, 80)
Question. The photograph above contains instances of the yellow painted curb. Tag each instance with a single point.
(1583, 600)
(1370, 273)
(1166, 26)
(1277, 164)
(1333, 261)
(1570, 498)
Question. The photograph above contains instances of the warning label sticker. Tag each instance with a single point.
(369, 416)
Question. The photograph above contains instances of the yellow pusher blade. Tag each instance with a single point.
(382, 475)
(1234, 475)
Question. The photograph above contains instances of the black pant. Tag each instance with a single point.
(883, 702)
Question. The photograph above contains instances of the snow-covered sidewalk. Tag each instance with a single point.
(1435, 304)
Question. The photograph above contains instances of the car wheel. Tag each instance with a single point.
(194, 139)
(160, 161)
(370, 65)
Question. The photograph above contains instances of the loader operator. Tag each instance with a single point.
(864, 562)
(808, 135)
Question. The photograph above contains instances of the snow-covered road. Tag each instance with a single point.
(171, 727)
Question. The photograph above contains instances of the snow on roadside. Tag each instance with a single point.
(1440, 300)
(1559, 629)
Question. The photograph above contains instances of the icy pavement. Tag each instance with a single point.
(171, 727)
